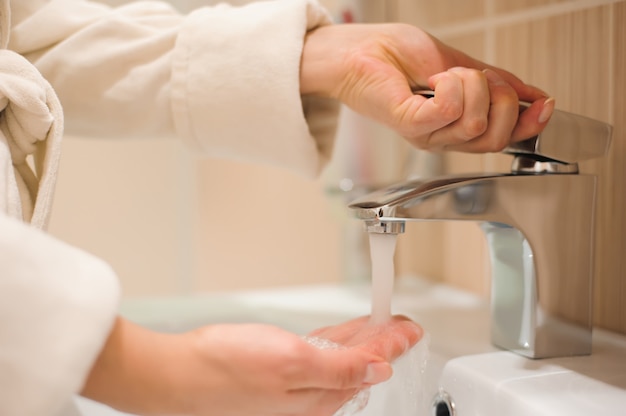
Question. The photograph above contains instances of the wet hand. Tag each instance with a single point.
(388, 340)
(267, 371)
(261, 370)
(244, 369)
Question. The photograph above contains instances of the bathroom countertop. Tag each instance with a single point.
(448, 314)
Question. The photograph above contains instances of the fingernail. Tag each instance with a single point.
(546, 112)
(377, 373)
(493, 77)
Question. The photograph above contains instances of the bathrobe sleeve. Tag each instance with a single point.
(224, 79)
(57, 305)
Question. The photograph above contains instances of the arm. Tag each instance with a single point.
(60, 336)
(224, 79)
(242, 370)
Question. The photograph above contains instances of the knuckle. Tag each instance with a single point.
(294, 361)
(510, 102)
(470, 75)
(475, 127)
(476, 75)
(499, 145)
(506, 99)
(451, 110)
(492, 147)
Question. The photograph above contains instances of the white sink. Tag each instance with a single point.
(479, 379)
(502, 383)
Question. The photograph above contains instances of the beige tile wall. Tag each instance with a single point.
(610, 295)
(521, 5)
(171, 224)
(576, 51)
(257, 226)
(440, 12)
(127, 202)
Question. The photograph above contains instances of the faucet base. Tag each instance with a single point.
(520, 323)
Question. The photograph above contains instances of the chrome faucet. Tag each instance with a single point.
(539, 224)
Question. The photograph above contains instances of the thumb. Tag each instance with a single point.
(340, 369)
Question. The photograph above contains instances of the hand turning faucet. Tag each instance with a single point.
(539, 224)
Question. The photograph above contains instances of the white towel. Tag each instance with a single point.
(31, 127)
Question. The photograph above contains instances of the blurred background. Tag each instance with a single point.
(169, 223)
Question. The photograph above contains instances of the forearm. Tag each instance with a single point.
(138, 371)
(224, 79)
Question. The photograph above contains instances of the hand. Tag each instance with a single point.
(240, 370)
(375, 68)
(384, 340)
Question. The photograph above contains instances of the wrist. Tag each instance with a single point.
(136, 371)
(319, 70)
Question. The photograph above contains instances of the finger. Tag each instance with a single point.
(530, 94)
(389, 341)
(420, 116)
(503, 115)
(342, 333)
(474, 119)
(366, 362)
(343, 369)
(525, 92)
(533, 119)
(351, 332)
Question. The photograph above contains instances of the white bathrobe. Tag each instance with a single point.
(223, 79)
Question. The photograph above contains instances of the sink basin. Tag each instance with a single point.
(503, 383)
(462, 365)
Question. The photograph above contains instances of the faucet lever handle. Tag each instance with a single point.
(567, 138)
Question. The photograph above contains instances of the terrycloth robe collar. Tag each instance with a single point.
(31, 129)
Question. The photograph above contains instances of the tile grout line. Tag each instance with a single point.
(489, 43)
(539, 12)
(612, 52)
(488, 160)
(490, 32)
(612, 104)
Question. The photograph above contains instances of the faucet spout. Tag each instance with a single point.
(540, 229)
